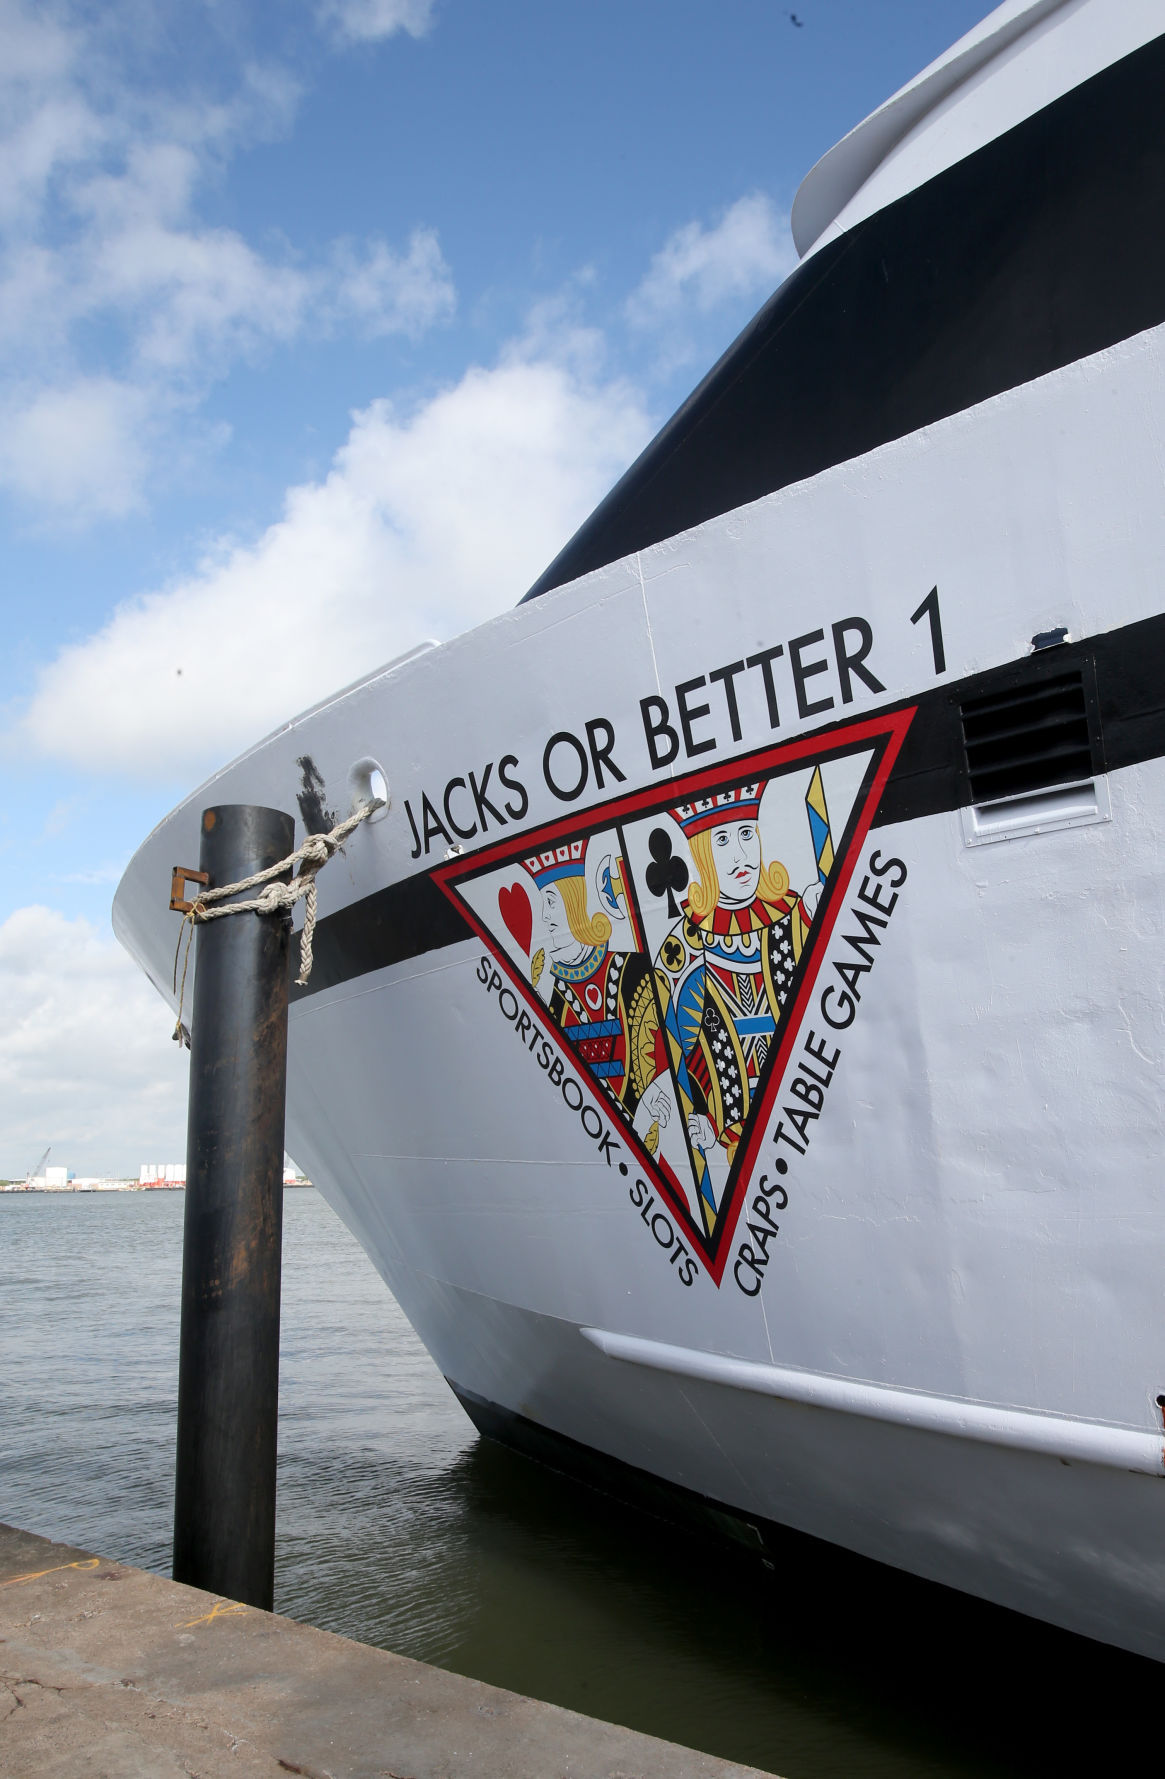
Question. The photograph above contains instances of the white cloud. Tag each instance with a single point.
(701, 270)
(47, 122)
(426, 524)
(749, 248)
(105, 261)
(35, 46)
(86, 1061)
(80, 448)
(366, 21)
(387, 293)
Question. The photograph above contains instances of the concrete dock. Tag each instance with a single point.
(107, 1672)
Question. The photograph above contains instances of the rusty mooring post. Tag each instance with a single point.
(228, 1369)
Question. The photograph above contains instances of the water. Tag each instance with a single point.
(398, 1526)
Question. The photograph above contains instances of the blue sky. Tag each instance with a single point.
(331, 319)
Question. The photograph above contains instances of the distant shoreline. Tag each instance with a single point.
(12, 1188)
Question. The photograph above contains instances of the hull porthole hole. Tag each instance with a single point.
(367, 780)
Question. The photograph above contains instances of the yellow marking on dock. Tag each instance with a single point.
(35, 1574)
(220, 1609)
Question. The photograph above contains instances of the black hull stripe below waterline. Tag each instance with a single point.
(925, 1628)
(1039, 249)
(1125, 674)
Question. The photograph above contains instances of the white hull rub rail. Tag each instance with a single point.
(1053, 1436)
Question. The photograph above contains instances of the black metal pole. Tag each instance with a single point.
(228, 1369)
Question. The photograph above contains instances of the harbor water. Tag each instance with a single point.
(400, 1527)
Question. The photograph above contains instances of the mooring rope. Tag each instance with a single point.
(315, 852)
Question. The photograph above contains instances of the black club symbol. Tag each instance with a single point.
(666, 874)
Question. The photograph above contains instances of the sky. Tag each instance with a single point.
(323, 324)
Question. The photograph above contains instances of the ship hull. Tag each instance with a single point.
(833, 1203)
(1019, 1283)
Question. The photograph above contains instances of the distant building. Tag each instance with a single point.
(63, 1179)
(153, 1174)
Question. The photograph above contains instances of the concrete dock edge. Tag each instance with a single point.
(108, 1672)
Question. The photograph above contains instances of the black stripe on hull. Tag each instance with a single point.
(931, 1633)
(1040, 248)
(392, 925)
(1126, 674)
(613, 1476)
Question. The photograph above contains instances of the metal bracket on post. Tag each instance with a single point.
(180, 876)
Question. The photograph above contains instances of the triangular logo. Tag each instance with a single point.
(668, 942)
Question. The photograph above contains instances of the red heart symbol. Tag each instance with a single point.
(515, 910)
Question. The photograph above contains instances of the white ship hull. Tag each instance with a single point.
(912, 1306)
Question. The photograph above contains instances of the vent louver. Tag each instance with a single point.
(1026, 738)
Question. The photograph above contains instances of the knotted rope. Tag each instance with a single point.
(311, 857)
